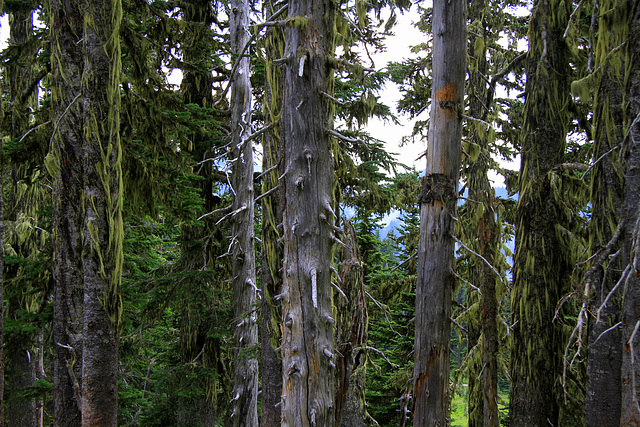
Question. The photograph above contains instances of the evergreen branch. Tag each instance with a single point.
(340, 291)
(624, 276)
(383, 311)
(64, 113)
(479, 256)
(564, 36)
(266, 193)
(266, 172)
(336, 100)
(375, 350)
(270, 22)
(214, 212)
(34, 128)
(345, 138)
(473, 119)
(477, 289)
(600, 158)
(261, 131)
(606, 332)
(498, 76)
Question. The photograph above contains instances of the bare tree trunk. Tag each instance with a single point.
(437, 209)
(64, 162)
(307, 115)
(245, 333)
(102, 254)
(631, 241)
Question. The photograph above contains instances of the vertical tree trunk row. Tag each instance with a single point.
(437, 210)
(272, 215)
(102, 251)
(64, 162)
(540, 267)
(631, 242)
(308, 359)
(245, 335)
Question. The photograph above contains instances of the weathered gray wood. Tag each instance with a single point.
(307, 341)
(437, 210)
(245, 332)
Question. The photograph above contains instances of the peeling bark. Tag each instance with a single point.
(437, 210)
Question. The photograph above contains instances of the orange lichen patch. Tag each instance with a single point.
(447, 93)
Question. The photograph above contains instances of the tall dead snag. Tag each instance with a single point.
(437, 211)
(307, 115)
(631, 240)
(64, 163)
(351, 339)
(541, 265)
(272, 249)
(245, 333)
(102, 252)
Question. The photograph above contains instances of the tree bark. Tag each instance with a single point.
(307, 342)
(19, 345)
(272, 215)
(437, 209)
(541, 268)
(630, 250)
(64, 162)
(351, 339)
(245, 333)
(102, 251)
(603, 398)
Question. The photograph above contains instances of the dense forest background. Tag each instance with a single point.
(195, 214)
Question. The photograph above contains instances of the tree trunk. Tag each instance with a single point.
(245, 333)
(351, 339)
(437, 209)
(541, 269)
(102, 252)
(19, 349)
(64, 162)
(602, 400)
(272, 214)
(631, 240)
(307, 341)
(483, 237)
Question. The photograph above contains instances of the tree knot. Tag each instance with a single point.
(436, 186)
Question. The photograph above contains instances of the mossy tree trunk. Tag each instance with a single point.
(631, 241)
(272, 215)
(308, 366)
(245, 333)
(19, 348)
(603, 388)
(483, 237)
(65, 164)
(541, 269)
(102, 251)
(437, 209)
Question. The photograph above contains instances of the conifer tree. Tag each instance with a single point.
(272, 215)
(307, 341)
(603, 387)
(437, 200)
(630, 247)
(540, 265)
(245, 291)
(102, 251)
(65, 165)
